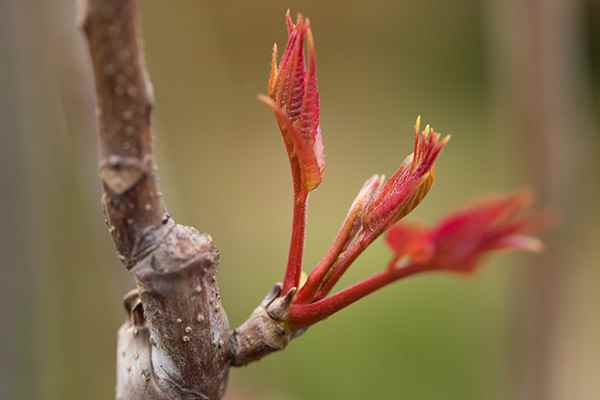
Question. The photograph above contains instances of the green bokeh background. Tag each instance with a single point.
(223, 169)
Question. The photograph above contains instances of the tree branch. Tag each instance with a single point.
(174, 344)
(132, 202)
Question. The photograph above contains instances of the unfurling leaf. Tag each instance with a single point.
(404, 190)
(458, 241)
(294, 97)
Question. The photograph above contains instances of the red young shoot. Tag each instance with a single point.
(351, 225)
(456, 244)
(294, 98)
(303, 315)
(294, 266)
(387, 202)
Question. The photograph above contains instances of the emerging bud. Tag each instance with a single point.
(294, 97)
(456, 244)
(378, 205)
(346, 234)
(355, 215)
(459, 241)
(408, 186)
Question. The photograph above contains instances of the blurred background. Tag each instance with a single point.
(516, 83)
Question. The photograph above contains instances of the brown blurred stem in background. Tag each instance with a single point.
(16, 276)
(548, 105)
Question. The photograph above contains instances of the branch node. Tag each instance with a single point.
(120, 174)
(265, 331)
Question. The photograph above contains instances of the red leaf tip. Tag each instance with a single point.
(404, 190)
(295, 99)
(459, 241)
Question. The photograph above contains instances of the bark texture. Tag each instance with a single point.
(173, 345)
(176, 343)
